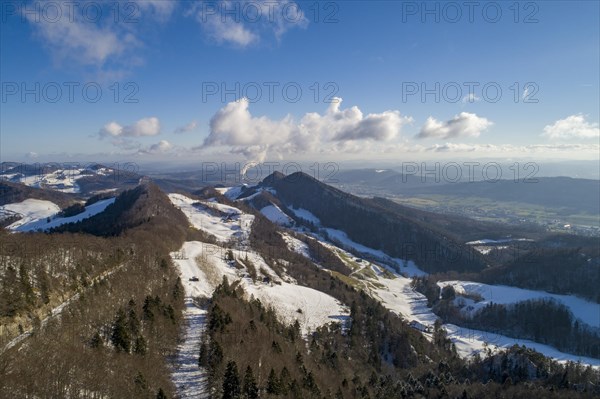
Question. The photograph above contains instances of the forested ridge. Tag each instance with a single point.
(369, 223)
(123, 320)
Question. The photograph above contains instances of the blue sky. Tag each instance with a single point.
(370, 54)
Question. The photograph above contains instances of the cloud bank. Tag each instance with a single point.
(255, 137)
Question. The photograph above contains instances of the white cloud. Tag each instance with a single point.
(187, 128)
(243, 22)
(31, 155)
(572, 127)
(143, 127)
(160, 9)
(470, 98)
(102, 36)
(344, 130)
(160, 147)
(84, 43)
(464, 124)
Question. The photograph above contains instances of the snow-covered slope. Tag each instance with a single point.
(276, 215)
(36, 214)
(306, 215)
(291, 302)
(395, 293)
(296, 245)
(222, 221)
(585, 311)
(231, 192)
(31, 211)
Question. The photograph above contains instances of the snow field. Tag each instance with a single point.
(276, 215)
(222, 221)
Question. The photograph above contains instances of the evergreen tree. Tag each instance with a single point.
(133, 323)
(250, 389)
(120, 336)
(285, 380)
(140, 347)
(140, 382)
(161, 394)
(147, 309)
(273, 384)
(311, 385)
(231, 382)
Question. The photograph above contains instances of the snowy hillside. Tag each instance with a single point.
(291, 301)
(222, 221)
(31, 210)
(42, 215)
(64, 180)
(586, 311)
(395, 293)
(276, 215)
(389, 280)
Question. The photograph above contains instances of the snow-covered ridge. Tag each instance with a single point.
(586, 311)
(64, 180)
(42, 215)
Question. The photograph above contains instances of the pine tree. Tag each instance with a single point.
(140, 382)
(161, 394)
(231, 382)
(311, 385)
(273, 384)
(120, 336)
(147, 309)
(133, 323)
(284, 380)
(250, 389)
(140, 346)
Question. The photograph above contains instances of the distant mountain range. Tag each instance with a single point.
(555, 192)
